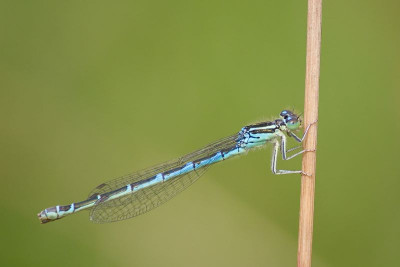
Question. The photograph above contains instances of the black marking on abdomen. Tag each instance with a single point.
(117, 191)
(79, 205)
(105, 196)
(93, 196)
(51, 209)
(202, 159)
(64, 208)
(174, 170)
(148, 179)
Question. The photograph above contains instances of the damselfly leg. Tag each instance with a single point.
(284, 151)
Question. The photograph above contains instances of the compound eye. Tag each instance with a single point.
(284, 112)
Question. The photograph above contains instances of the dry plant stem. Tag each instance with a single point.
(310, 115)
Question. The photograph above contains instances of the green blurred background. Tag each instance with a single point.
(90, 90)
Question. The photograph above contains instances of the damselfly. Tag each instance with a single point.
(137, 193)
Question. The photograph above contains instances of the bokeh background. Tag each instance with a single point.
(91, 90)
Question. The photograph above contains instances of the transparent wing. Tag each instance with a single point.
(151, 197)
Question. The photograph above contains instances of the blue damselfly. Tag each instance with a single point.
(137, 193)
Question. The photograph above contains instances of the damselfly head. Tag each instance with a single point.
(291, 120)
